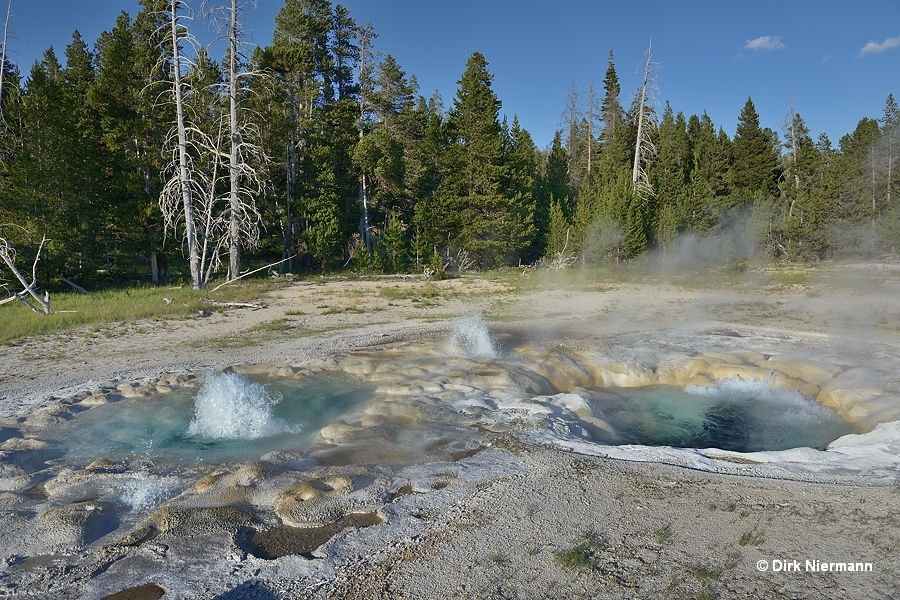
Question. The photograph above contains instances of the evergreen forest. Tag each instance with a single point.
(143, 159)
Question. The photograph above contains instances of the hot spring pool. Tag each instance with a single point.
(412, 403)
(735, 414)
(230, 418)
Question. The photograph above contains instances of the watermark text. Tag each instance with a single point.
(778, 565)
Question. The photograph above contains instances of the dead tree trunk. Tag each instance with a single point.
(184, 173)
(643, 147)
(234, 166)
(3, 56)
(366, 57)
(8, 255)
(242, 215)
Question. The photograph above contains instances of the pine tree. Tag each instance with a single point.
(388, 151)
(611, 112)
(312, 53)
(86, 157)
(392, 245)
(474, 211)
(753, 171)
(861, 206)
(558, 233)
(803, 215)
(133, 124)
(670, 175)
(553, 180)
(41, 173)
(550, 188)
(521, 159)
(618, 149)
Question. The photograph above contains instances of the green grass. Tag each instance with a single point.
(411, 293)
(583, 555)
(707, 594)
(101, 311)
(266, 331)
(753, 537)
(705, 573)
(663, 534)
(713, 573)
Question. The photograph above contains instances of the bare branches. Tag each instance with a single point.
(8, 256)
(3, 55)
(184, 172)
(644, 149)
(209, 142)
(563, 259)
(222, 17)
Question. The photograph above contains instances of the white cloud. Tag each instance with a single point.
(765, 43)
(875, 48)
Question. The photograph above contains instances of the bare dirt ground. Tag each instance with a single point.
(558, 525)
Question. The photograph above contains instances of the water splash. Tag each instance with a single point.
(230, 406)
(470, 334)
(144, 490)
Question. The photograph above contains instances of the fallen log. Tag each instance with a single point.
(238, 305)
(74, 285)
(252, 272)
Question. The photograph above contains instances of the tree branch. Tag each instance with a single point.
(221, 285)
(7, 253)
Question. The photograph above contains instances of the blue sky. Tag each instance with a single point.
(834, 60)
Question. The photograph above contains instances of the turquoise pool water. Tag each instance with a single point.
(738, 415)
(230, 418)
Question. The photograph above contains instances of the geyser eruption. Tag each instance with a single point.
(470, 334)
(230, 406)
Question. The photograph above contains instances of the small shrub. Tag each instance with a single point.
(754, 537)
(663, 534)
(582, 555)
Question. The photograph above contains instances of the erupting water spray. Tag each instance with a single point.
(230, 406)
(470, 334)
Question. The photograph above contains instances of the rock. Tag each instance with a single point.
(317, 501)
(200, 521)
(851, 393)
(95, 400)
(816, 373)
(17, 444)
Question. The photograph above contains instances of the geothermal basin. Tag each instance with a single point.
(285, 463)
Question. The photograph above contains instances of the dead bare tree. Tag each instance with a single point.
(3, 55)
(200, 162)
(366, 66)
(563, 259)
(176, 199)
(214, 227)
(209, 225)
(244, 181)
(8, 256)
(644, 149)
(235, 159)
